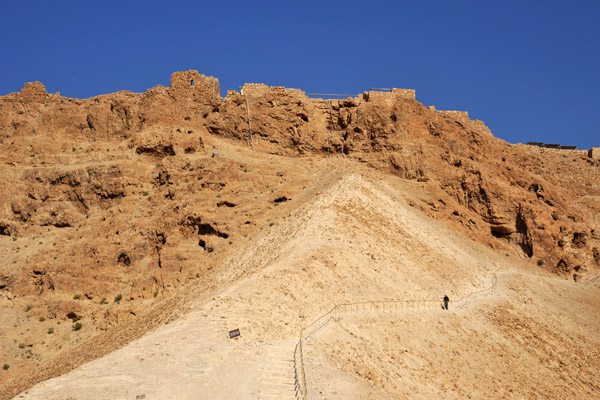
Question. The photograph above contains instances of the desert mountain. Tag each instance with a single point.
(262, 210)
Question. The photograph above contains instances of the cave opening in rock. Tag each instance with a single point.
(124, 259)
(497, 232)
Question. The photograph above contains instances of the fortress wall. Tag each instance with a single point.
(33, 92)
(192, 81)
(260, 89)
(404, 93)
(374, 95)
(254, 89)
(594, 153)
(461, 116)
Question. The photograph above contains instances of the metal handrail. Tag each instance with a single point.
(339, 310)
(331, 94)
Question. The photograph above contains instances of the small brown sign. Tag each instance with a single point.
(234, 333)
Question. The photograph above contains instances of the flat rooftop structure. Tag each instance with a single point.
(551, 145)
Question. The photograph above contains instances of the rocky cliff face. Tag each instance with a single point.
(127, 193)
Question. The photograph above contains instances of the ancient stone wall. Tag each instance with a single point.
(461, 116)
(594, 153)
(33, 92)
(193, 82)
(404, 93)
(394, 93)
(260, 89)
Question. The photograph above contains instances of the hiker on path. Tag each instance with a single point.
(446, 300)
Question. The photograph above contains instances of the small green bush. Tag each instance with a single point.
(145, 193)
(103, 300)
(28, 308)
(156, 293)
(42, 319)
(6, 367)
(540, 262)
(77, 297)
(21, 345)
(50, 331)
(118, 298)
(77, 326)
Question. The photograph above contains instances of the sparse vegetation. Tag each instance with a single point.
(356, 230)
(28, 308)
(21, 345)
(540, 262)
(73, 317)
(6, 367)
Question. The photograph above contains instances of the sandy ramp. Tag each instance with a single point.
(535, 337)
(357, 239)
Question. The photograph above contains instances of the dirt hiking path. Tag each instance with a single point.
(358, 238)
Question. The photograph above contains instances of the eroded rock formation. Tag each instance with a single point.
(119, 194)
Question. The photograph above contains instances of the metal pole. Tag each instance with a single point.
(249, 124)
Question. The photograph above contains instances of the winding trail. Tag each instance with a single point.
(389, 306)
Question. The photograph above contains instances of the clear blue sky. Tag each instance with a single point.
(529, 69)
